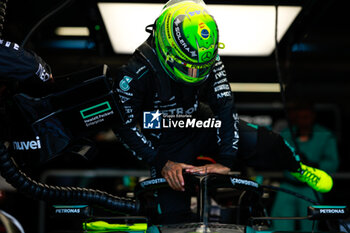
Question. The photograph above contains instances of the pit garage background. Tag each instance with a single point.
(314, 57)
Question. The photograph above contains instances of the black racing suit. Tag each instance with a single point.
(142, 89)
(21, 71)
(143, 85)
(25, 67)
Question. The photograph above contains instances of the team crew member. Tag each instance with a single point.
(21, 71)
(172, 73)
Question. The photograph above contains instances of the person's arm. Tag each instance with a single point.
(18, 64)
(221, 101)
(24, 71)
(131, 92)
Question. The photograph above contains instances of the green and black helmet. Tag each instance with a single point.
(186, 39)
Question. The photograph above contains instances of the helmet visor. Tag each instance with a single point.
(193, 72)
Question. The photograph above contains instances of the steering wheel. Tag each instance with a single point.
(212, 181)
(201, 185)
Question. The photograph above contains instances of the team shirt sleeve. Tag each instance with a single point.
(131, 92)
(221, 101)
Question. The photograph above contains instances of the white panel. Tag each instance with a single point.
(245, 30)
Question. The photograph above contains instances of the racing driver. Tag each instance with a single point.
(177, 73)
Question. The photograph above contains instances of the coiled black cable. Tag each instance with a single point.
(3, 5)
(62, 195)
